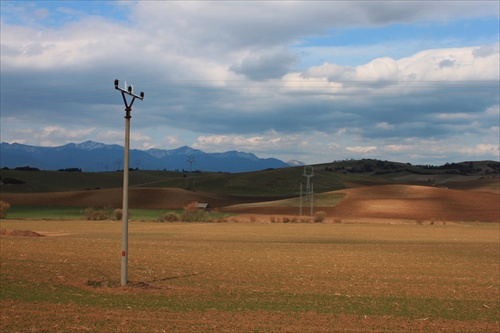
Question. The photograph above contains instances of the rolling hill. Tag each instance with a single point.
(347, 189)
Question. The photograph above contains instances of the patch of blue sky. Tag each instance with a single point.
(356, 46)
(462, 33)
(58, 13)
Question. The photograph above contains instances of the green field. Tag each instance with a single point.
(272, 182)
(75, 213)
(278, 182)
(265, 277)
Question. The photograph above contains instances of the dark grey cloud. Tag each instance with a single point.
(265, 66)
(227, 71)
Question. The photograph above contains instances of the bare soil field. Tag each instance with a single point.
(419, 202)
(398, 202)
(237, 277)
(147, 198)
(408, 202)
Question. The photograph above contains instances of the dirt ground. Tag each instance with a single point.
(19, 233)
(76, 318)
(249, 277)
(418, 203)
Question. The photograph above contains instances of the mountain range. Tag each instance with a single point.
(98, 157)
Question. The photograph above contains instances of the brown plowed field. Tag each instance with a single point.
(401, 202)
(380, 201)
(419, 202)
(147, 198)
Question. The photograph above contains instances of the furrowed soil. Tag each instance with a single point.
(409, 202)
(146, 198)
(242, 277)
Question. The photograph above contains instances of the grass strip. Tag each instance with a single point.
(77, 213)
(172, 301)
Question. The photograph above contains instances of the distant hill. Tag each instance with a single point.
(98, 157)
(348, 189)
(271, 182)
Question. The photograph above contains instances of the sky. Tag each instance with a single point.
(314, 81)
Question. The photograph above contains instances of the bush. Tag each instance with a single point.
(96, 215)
(4, 208)
(118, 213)
(193, 214)
(220, 219)
(319, 216)
(189, 216)
(192, 207)
(170, 217)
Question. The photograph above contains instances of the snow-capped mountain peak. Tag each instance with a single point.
(295, 163)
(90, 145)
(95, 156)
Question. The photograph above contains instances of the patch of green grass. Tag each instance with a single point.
(275, 182)
(409, 307)
(76, 213)
(43, 212)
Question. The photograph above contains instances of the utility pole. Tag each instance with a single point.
(190, 179)
(300, 201)
(309, 190)
(308, 175)
(128, 108)
(312, 200)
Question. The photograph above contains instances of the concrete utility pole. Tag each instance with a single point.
(128, 108)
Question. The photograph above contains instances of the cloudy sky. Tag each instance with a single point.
(315, 81)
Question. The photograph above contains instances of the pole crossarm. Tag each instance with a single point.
(128, 91)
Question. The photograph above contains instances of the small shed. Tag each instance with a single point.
(203, 206)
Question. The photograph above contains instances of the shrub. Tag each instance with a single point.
(188, 216)
(96, 215)
(100, 215)
(170, 217)
(191, 207)
(118, 213)
(4, 208)
(193, 214)
(319, 216)
(220, 219)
